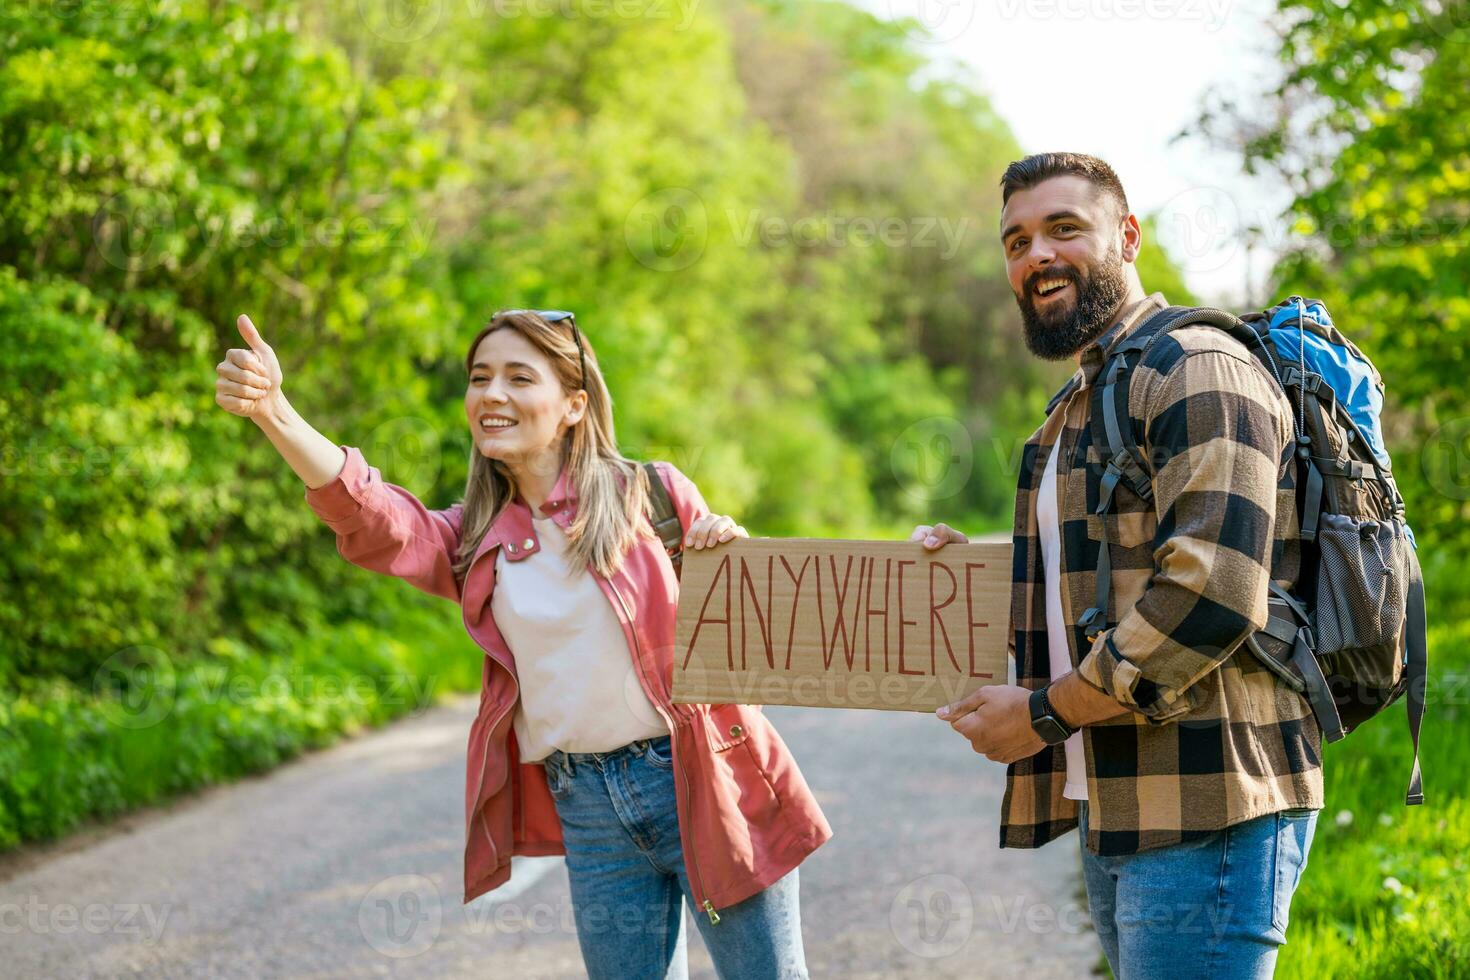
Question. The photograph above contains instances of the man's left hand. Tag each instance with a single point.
(997, 721)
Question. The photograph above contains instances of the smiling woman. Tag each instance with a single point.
(529, 387)
(574, 608)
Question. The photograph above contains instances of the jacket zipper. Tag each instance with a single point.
(691, 860)
(485, 749)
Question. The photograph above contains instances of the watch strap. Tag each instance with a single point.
(1042, 709)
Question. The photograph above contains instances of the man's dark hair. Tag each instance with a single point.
(1027, 173)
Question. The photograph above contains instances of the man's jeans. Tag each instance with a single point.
(626, 866)
(1213, 908)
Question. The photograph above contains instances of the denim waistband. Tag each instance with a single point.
(570, 760)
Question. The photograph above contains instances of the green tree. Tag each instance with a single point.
(1370, 127)
(157, 180)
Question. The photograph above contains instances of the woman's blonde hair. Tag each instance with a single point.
(612, 491)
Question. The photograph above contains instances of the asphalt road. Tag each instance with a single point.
(346, 863)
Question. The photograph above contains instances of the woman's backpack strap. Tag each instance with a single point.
(664, 517)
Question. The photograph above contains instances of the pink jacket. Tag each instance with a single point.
(746, 816)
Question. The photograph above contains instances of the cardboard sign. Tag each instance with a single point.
(841, 624)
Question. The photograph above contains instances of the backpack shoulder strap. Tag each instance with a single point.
(1114, 430)
(1416, 670)
(664, 517)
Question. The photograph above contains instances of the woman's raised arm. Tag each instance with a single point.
(249, 385)
(379, 526)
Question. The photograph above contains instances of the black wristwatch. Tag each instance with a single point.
(1046, 722)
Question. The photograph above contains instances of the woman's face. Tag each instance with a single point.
(515, 403)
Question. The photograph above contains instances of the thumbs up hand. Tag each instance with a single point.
(249, 379)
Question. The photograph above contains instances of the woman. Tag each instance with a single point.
(578, 748)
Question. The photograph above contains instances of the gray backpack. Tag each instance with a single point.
(1352, 639)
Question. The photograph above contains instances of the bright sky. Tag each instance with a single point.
(1118, 78)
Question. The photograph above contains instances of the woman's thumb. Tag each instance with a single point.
(251, 335)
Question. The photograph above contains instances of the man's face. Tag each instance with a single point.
(1063, 242)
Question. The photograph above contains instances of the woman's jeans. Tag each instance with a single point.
(626, 865)
(1213, 908)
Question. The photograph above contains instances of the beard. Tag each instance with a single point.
(1056, 332)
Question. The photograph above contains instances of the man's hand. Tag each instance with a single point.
(936, 536)
(997, 721)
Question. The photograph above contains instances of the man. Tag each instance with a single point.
(1193, 774)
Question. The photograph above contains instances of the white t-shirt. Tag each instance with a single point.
(579, 686)
(1056, 626)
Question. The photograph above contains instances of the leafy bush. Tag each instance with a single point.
(150, 728)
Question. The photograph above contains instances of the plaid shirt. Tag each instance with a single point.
(1211, 737)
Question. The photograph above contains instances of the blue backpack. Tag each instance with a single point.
(1350, 637)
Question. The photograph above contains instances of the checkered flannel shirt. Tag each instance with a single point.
(1211, 737)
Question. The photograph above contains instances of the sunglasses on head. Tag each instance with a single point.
(556, 316)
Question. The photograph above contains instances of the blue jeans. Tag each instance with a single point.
(626, 865)
(1212, 908)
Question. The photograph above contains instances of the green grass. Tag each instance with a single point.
(1386, 892)
(69, 754)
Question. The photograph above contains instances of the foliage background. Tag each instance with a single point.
(776, 222)
(1368, 128)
